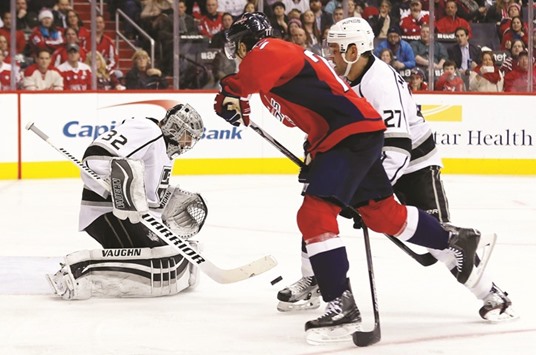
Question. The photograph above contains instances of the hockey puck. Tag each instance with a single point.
(276, 280)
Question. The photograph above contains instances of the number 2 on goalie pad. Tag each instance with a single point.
(185, 212)
(128, 189)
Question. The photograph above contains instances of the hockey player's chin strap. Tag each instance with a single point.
(349, 64)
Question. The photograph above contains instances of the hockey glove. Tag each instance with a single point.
(234, 110)
(351, 213)
(128, 189)
(303, 176)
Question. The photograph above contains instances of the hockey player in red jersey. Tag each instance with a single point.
(137, 154)
(344, 144)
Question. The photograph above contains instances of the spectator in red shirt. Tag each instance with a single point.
(76, 74)
(46, 35)
(211, 23)
(20, 39)
(449, 80)
(517, 79)
(411, 24)
(514, 9)
(517, 30)
(105, 44)
(511, 62)
(74, 22)
(60, 55)
(450, 22)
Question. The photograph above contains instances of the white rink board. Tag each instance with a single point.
(9, 131)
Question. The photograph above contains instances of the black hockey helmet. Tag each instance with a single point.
(248, 29)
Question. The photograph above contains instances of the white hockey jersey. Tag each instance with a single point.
(139, 139)
(409, 144)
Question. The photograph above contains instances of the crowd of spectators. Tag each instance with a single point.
(402, 30)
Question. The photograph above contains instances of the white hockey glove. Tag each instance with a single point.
(185, 212)
(128, 189)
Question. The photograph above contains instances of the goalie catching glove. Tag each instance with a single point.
(128, 189)
(231, 107)
(185, 212)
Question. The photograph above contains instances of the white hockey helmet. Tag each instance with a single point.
(182, 127)
(352, 30)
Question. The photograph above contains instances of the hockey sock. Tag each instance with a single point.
(427, 231)
(306, 268)
(330, 264)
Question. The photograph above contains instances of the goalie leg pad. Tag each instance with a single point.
(130, 272)
(317, 217)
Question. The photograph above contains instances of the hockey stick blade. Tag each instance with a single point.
(368, 338)
(219, 275)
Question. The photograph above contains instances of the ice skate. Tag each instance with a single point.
(64, 284)
(497, 306)
(464, 243)
(302, 295)
(338, 323)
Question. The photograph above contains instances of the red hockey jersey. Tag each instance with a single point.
(301, 89)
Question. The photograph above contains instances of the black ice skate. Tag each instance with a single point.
(497, 306)
(464, 243)
(301, 295)
(338, 323)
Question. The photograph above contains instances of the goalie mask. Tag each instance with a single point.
(352, 30)
(182, 127)
(248, 29)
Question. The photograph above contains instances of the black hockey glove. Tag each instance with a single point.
(303, 176)
(351, 213)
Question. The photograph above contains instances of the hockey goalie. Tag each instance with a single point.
(136, 159)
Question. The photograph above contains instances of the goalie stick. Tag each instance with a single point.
(217, 274)
(425, 259)
(360, 338)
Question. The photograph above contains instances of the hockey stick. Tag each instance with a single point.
(368, 338)
(163, 232)
(426, 259)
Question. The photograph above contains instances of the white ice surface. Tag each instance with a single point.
(423, 310)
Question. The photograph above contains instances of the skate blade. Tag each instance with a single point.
(485, 247)
(50, 279)
(495, 316)
(298, 305)
(328, 335)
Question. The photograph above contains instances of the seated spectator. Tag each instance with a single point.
(322, 18)
(416, 81)
(4, 48)
(517, 30)
(105, 44)
(338, 14)
(387, 56)
(355, 9)
(46, 35)
(299, 37)
(40, 76)
(105, 80)
(187, 24)
(279, 20)
(465, 55)
(60, 55)
(411, 24)
(294, 14)
(498, 11)
(249, 7)
(447, 25)
(299, 5)
(20, 39)
(381, 22)
(76, 74)
(5, 74)
(449, 80)
(218, 40)
(292, 25)
(234, 7)
(142, 76)
(514, 9)
(517, 79)
(486, 77)
(421, 50)
(403, 54)
(331, 5)
(26, 19)
(83, 34)
(60, 13)
(312, 32)
(510, 63)
(211, 23)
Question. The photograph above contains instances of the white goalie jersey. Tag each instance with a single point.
(409, 144)
(139, 139)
